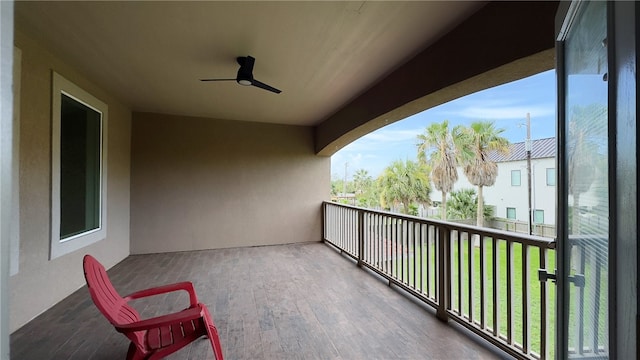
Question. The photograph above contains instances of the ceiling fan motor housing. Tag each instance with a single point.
(245, 73)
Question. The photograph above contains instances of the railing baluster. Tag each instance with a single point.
(398, 242)
(415, 256)
(380, 242)
(422, 258)
(510, 282)
(389, 249)
(595, 284)
(367, 237)
(482, 283)
(400, 237)
(349, 218)
(543, 307)
(405, 249)
(343, 235)
(471, 270)
(408, 240)
(496, 292)
(409, 251)
(442, 240)
(448, 271)
(394, 232)
(459, 238)
(354, 233)
(580, 303)
(430, 238)
(355, 218)
(376, 237)
(360, 237)
(525, 299)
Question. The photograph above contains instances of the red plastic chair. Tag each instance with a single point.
(157, 337)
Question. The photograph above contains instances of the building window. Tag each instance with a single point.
(78, 168)
(538, 216)
(551, 177)
(511, 213)
(515, 177)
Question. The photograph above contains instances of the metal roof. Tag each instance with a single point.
(540, 148)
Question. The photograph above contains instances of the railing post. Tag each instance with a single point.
(360, 237)
(444, 285)
(324, 221)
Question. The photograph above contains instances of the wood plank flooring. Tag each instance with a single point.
(302, 301)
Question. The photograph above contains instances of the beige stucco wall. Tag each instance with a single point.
(40, 283)
(202, 184)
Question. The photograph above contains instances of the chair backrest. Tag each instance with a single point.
(107, 299)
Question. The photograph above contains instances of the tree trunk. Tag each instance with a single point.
(480, 215)
(405, 206)
(444, 206)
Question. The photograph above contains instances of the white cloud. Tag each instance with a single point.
(502, 113)
(382, 139)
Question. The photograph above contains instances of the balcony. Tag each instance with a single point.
(301, 301)
(454, 291)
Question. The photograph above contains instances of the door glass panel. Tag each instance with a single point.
(586, 128)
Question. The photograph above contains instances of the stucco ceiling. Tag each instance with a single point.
(321, 55)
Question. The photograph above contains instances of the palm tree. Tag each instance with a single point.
(463, 204)
(365, 189)
(441, 144)
(482, 137)
(404, 182)
(361, 181)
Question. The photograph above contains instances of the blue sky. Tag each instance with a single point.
(507, 105)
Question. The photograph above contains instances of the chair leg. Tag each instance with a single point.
(212, 334)
(133, 353)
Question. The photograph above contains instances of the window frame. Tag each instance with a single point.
(553, 177)
(515, 214)
(536, 211)
(60, 247)
(519, 178)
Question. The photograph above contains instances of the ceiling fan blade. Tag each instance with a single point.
(262, 85)
(217, 79)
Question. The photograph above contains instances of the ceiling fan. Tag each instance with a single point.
(245, 75)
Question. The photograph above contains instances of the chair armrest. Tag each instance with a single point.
(164, 320)
(186, 286)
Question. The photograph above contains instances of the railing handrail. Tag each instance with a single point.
(541, 241)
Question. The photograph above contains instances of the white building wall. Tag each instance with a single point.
(503, 195)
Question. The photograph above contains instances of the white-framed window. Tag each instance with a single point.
(538, 216)
(511, 213)
(78, 168)
(551, 177)
(515, 177)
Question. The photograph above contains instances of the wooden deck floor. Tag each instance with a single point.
(301, 301)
